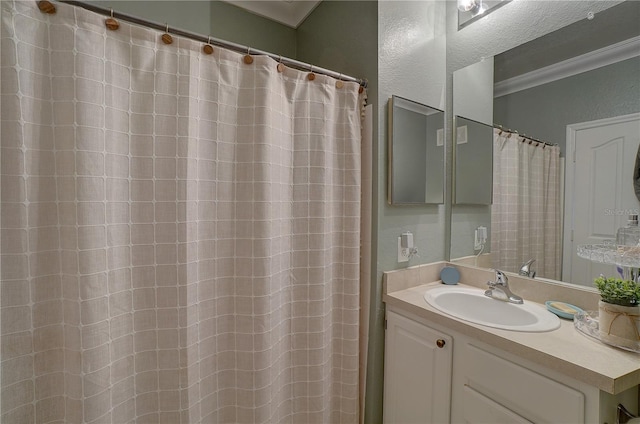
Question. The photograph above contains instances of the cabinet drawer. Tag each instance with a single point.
(479, 409)
(527, 393)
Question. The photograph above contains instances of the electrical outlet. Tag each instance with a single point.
(403, 252)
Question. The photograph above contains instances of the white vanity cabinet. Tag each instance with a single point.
(475, 383)
(417, 376)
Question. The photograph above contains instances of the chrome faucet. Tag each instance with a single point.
(526, 271)
(499, 289)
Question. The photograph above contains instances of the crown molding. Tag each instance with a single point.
(587, 62)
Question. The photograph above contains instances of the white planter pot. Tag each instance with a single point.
(619, 325)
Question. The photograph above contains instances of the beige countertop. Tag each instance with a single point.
(564, 350)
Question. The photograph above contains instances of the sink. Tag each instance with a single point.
(470, 304)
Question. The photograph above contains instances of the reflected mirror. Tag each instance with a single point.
(571, 98)
(473, 162)
(416, 153)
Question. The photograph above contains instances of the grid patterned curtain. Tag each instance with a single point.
(525, 215)
(180, 231)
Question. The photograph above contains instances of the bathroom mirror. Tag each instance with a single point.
(549, 88)
(416, 153)
(473, 162)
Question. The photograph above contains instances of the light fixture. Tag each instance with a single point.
(467, 5)
(475, 7)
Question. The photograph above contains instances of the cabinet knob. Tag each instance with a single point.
(440, 343)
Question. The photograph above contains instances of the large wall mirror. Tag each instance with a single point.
(416, 153)
(570, 102)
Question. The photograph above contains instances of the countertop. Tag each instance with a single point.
(564, 350)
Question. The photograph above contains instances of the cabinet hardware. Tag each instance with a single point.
(440, 343)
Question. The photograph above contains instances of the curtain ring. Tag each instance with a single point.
(208, 48)
(339, 83)
(111, 23)
(46, 6)
(280, 66)
(166, 37)
(311, 75)
(248, 59)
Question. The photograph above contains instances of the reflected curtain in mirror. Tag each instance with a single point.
(526, 211)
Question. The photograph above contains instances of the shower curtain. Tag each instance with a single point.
(526, 210)
(180, 231)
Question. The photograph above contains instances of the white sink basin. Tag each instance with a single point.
(472, 305)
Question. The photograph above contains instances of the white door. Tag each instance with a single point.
(599, 192)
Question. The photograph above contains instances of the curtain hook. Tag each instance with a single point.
(208, 48)
(280, 66)
(311, 75)
(111, 23)
(339, 83)
(248, 59)
(166, 37)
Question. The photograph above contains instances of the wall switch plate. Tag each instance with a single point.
(403, 253)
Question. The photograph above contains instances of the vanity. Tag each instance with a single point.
(441, 369)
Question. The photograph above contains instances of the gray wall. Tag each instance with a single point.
(232, 23)
(217, 19)
(544, 112)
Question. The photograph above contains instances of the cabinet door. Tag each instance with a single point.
(417, 375)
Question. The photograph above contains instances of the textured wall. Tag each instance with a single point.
(411, 64)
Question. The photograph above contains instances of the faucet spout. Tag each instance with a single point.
(526, 270)
(500, 290)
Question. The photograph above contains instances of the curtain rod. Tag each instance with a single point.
(501, 128)
(211, 40)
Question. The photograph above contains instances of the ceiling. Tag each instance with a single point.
(288, 12)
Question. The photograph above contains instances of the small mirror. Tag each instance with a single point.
(473, 162)
(416, 153)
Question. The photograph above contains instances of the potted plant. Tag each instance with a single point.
(619, 312)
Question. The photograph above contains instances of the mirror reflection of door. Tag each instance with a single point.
(599, 192)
